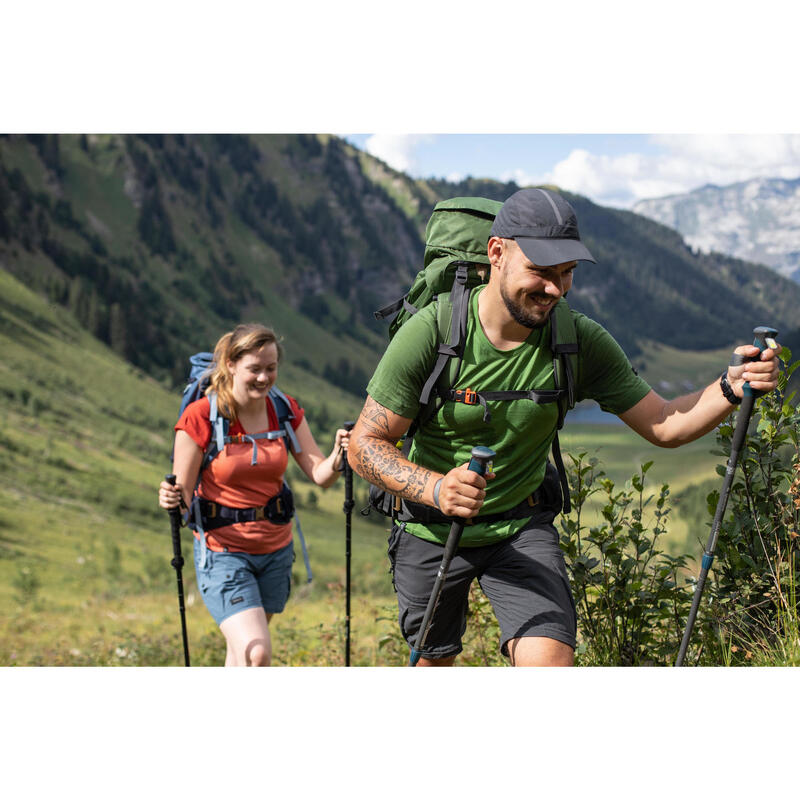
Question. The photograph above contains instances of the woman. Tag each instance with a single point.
(243, 548)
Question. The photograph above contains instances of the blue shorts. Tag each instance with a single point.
(233, 582)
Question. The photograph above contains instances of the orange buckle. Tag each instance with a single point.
(466, 396)
(236, 438)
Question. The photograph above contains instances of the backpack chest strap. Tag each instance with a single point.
(473, 398)
(239, 438)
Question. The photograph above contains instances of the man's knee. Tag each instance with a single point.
(540, 651)
(436, 662)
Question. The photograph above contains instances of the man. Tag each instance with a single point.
(534, 249)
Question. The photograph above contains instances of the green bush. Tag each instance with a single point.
(631, 602)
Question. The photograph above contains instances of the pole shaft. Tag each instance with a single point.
(348, 510)
(739, 434)
(177, 563)
(478, 463)
(764, 338)
(348, 493)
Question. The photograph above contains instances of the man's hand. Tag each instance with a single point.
(761, 374)
(462, 492)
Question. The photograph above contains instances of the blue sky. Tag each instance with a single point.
(611, 169)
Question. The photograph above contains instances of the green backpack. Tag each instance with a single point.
(455, 262)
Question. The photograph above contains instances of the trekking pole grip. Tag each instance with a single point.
(764, 338)
(481, 458)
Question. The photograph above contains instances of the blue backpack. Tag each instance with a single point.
(282, 504)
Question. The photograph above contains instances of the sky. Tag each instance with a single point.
(611, 169)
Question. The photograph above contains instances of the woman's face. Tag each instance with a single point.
(254, 373)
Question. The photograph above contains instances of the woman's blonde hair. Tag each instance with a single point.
(243, 339)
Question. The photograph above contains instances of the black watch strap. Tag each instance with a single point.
(727, 391)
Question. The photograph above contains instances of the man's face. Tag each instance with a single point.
(531, 292)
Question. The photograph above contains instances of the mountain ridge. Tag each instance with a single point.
(756, 220)
(159, 243)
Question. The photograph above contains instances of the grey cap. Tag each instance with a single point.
(544, 225)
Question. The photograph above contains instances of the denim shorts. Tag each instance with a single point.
(524, 577)
(233, 582)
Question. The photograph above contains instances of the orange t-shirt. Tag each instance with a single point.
(231, 480)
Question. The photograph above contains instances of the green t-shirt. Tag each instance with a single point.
(519, 431)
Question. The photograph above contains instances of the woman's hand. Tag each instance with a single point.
(340, 445)
(169, 496)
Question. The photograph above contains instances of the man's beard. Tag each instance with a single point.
(521, 316)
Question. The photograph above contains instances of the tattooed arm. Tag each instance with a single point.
(374, 455)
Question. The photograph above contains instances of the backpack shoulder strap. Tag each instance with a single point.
(564, 346)
(283, 411)
(219, 431)
(452, 309)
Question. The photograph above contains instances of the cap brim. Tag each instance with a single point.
(547, 252)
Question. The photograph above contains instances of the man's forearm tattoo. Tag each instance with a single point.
(381, 463)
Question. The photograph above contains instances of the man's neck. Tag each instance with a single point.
(499, 327)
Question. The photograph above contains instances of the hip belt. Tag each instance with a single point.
(278, 510)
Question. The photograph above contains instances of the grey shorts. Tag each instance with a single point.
(524, 577)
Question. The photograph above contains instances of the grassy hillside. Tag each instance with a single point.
(85, 551)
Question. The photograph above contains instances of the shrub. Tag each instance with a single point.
(631, 603)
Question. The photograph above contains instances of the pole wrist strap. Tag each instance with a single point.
(727, 391)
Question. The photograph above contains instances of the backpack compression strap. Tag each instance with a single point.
(393, 308)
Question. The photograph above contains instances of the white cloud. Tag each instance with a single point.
(687, 162)
(397, 150)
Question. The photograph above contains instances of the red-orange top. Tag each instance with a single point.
(231, 479)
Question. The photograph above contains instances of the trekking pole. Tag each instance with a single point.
(348, 510)
(177, 562)
(481, 456)
(764, 337)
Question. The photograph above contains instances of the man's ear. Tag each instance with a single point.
(494, 250)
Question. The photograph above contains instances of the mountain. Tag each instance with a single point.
(156, 244)
(756, 220)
